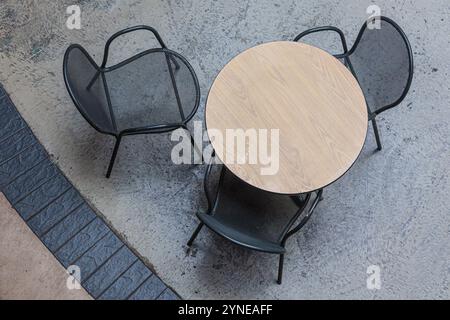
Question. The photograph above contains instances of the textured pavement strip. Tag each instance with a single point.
(55, 211)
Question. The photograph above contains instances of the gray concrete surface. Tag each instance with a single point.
(391, 209)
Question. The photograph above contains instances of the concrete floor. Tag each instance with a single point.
(27, 269)
(391, 209)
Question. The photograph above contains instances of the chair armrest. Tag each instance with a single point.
(327, 28)
(125, 31)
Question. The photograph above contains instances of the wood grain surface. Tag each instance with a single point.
(303, 91)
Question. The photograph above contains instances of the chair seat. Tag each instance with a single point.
(250, 217)
(142, 92)
(239, 237)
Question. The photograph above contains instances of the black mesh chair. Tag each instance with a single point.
(155, 91)
(382, 62)
(250, 217)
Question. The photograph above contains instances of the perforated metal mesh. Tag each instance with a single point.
(251, 211)
(91, 101)
(142, 92)
(381, 64)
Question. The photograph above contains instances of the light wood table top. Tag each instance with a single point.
(303, 91)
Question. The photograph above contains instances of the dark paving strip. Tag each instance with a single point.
(30, 181)
(57, 236)
(42, 197)
(13, 145)
(55, 211)
(10, 120)
(97, 255)
(83, 240)
(107, 274)
(19, 165)
(64, 221)
(128, 282)
(152, 288)
(168, 294)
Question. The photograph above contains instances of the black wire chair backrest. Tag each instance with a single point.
(248, 210)
(86, 86)
(153, 91)
(381, 59)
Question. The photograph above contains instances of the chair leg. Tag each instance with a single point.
(113, 157)
(194, 145)
(280, 268)
(377, 135)
(195, 234)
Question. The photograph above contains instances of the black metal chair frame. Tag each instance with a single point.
(163, 128)
(288, 231)
(347, 54)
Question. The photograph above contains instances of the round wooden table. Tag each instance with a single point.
(306, 93)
